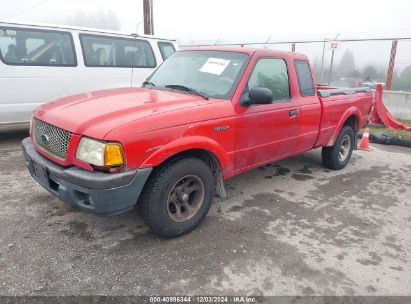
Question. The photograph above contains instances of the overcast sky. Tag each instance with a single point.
(197, 21)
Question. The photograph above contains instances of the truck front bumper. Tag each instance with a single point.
(101, 193)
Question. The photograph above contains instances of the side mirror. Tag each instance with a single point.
(259, 95)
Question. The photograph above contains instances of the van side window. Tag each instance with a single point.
(305, 79)
(271, 73)
(104, 51)
(166, 49)
(36, 47)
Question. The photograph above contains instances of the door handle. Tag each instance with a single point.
(293, 113)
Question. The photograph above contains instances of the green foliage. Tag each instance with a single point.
(402, 82)
(376, 74)
(396, 133)
(346, 67)
(406, 73)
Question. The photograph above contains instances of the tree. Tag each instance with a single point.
(406, 73)
(403, 81)
(101, 19)
(346, 67)
(317, 69)
(374, 73)
(398, 84)
(370, 71)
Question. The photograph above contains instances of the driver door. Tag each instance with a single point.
(267, 132)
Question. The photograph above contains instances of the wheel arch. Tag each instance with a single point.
(352, 121)
(195, 146)
(350, 118)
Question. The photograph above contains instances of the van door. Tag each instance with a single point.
(107, 61)
(38, 66)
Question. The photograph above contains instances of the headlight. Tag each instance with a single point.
(99, 153)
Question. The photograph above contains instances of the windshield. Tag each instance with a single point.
(210, 73)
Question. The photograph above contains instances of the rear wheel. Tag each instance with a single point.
(338, 156)
(177, 197)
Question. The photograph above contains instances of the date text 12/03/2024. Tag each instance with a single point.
(203, 299)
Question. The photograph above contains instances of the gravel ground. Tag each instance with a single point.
(288, 228)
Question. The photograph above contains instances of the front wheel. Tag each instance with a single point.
(338, 156)
(177, 197)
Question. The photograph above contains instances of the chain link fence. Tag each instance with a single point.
(354, 63)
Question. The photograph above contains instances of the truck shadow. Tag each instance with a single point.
(12, 135)
(300, 168)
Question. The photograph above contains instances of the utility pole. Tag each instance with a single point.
(322, 64)
(330, 76)
(148, 17)
(332, 62)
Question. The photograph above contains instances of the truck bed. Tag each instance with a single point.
(338, 104)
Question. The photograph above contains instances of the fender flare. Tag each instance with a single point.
(352, 111)
(190, 143)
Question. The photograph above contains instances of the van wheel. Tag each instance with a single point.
(338, 156)
(177, 197)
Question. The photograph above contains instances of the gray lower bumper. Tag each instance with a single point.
(98, 192)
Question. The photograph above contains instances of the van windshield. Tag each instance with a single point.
(213, 74)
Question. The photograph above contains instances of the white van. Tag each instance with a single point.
(39, 64)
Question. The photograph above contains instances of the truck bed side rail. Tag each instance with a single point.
(342, 91)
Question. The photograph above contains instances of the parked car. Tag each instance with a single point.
(204, 116)
(39, 64)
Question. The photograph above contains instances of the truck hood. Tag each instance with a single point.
(97, 113)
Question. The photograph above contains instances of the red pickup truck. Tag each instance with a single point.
(205, 115)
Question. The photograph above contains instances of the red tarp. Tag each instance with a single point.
(380, 114)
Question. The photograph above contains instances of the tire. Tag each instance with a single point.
(166, 203)
(334, 157)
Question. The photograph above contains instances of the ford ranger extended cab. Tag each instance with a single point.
(204, 116)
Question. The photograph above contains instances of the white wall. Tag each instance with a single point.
(398, 103)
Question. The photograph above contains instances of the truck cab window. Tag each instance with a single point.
(271, 73)
(305, 80)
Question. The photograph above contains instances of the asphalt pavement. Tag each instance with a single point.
(288, 228)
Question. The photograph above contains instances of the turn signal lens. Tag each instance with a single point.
(113, 155)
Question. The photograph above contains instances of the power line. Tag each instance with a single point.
(26, 9)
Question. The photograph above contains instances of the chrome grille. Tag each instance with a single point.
(51, 139)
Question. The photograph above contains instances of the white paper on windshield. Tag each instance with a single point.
(215, 66)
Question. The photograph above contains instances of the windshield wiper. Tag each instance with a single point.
(187, 89)
(147, 82)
